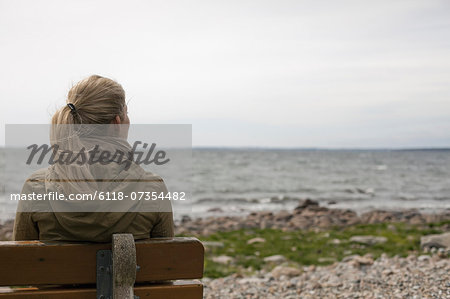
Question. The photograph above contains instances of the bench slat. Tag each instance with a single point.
(180, 289)
(37, 263)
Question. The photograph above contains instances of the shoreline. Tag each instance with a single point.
(308, 214)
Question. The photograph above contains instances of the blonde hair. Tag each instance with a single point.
(97, 100)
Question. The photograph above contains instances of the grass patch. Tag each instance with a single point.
(309, 247)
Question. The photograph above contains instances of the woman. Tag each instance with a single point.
(94, 102)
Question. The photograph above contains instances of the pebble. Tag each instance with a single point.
(277, 259)
(280, 271)
(436, 241)
(368, 240)
(256, 240)
(223, 259)
(423, 258)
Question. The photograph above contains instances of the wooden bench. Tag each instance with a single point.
(162, 268)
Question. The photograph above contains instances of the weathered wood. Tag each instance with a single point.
(124, 266)
(179, 289)
(37, 263)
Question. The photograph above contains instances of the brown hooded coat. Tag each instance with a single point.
(32, 224)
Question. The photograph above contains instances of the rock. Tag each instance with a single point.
(423, 258)
(411, 257)
(326, 259)
(369, 191)
(223, 259)
(377, 216)
(442, 253)
(416, 220)
(324, 222)
(279, 271)
(368, 240)
(277, 259)
(357, 260)
(362, 260)
(266, 215)
(185, 219)
(437, 241)
(283, 216)
(311, 268)
(215, 210)
(349, 258)
(306, 203)
(335, 241)
(256, 240)
(300, 222)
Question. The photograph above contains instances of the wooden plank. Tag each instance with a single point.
(180, 289)
(36, 263)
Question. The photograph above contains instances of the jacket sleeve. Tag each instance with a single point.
(164, 227)
(24, 226)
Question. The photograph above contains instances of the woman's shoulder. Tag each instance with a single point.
(37, 175)
(153, 181)
(36, 180)
(152, 177)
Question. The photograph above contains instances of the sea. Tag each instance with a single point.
(229, 181)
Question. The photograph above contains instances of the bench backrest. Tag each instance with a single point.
(38, 263)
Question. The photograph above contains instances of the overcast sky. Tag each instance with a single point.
(243, 73)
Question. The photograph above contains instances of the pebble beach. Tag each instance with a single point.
(357, 277)
(423, 273)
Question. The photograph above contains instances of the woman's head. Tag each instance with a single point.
(95, 103)
(97, 100)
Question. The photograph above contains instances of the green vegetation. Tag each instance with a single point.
(309, 247)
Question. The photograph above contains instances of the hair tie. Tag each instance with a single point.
(72, 108)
